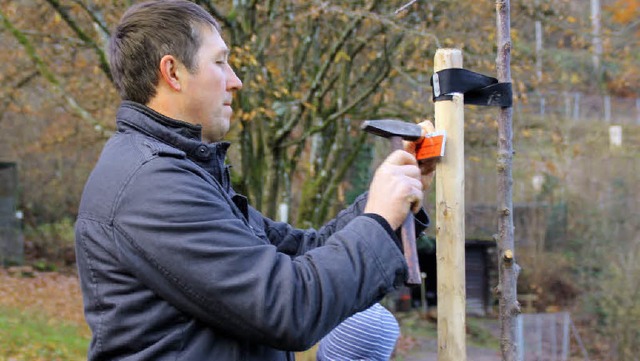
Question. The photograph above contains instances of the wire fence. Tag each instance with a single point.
(547, 336)
(580, 107)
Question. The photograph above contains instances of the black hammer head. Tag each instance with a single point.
(393, 128)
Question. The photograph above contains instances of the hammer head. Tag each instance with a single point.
(388, 128)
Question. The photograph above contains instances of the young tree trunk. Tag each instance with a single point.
(507, 267)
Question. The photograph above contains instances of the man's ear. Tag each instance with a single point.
(170, 72)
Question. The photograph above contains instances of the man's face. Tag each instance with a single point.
(209, 91)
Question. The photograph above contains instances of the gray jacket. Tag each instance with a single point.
(174, 265)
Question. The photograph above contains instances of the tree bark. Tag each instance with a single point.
(507, 267)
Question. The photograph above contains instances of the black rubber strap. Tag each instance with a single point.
(478, 89)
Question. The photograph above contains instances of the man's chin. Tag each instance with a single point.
(215, 133)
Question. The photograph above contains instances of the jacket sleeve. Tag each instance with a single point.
(181, 236)
(294, 241)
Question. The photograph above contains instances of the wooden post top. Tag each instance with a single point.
(447, 58)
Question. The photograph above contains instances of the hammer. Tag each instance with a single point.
(396, 131)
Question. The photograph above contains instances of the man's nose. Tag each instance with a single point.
(234, 83)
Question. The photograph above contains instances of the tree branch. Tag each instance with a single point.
(327, 195)
(98, 22)
(349, 107)
(215, 12)
(96, 16)
(102, 58)
(8, 99)
(50, 76)
(293, 120)
(391, 23)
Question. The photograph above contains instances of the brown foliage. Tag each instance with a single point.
(56, 295)
(280, 58)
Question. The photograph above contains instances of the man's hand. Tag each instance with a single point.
(427, 167)
(396, 187)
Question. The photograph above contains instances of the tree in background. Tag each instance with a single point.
(313, 70)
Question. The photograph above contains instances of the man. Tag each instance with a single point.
(174, 265)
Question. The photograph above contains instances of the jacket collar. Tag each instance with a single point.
(176, 133)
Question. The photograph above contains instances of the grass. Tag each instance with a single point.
(31, 336)
(480, 332)
(479, 335)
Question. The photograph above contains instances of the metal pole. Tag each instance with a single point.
(538, 336)
(554, 337)
(576, 106)
(597, 41)
(423, 292)
(520, 336)
(565, 336)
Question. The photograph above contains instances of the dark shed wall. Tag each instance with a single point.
(477, 283)
(11, 241)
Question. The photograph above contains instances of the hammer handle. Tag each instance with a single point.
(408, 235)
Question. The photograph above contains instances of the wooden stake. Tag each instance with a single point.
(449, 116)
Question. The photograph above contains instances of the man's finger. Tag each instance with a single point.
(401, 157)
(415, 201)
(427, 127)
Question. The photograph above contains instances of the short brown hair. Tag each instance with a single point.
(147, 32)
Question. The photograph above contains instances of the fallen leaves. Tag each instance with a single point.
(54, 294)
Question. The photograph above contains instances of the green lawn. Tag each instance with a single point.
(29, 336)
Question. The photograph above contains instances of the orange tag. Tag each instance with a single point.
(431, 145)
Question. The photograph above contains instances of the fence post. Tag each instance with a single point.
(554, 337)
(567, 105)
(638, 111)
(576, 105)
(539, 335)
(607, 109)
(596, 40)
(565, 336)
(449, 116)
(538, 49)
(520, 336)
